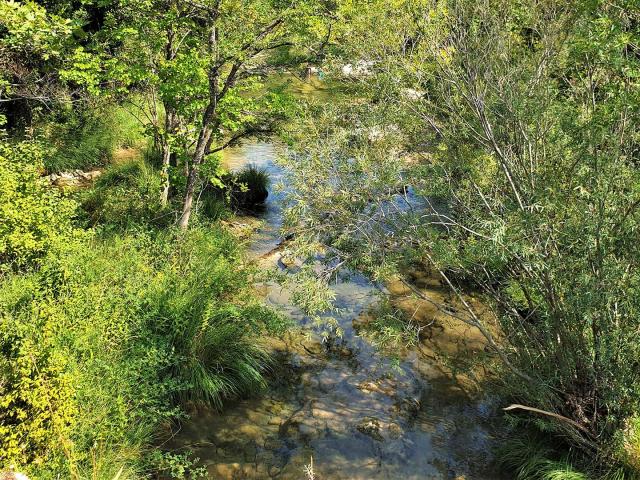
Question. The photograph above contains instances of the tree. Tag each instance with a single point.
(57, 57)
(31, 43)
(238, 36)
(207, 64)
(524, 119)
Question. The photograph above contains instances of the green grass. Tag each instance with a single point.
(249, 187)
(116, 333)
(533, 458)
(87, 139)
(126, 195)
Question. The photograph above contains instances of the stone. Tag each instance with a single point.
(275, 421)
(412, 94)
(224, 470)
(371, 427)
(362, 68)
(395, 430)
(371, 387)
(361, 320)
(76, 178)
(321, 413)
(306, 430)
(11, 475)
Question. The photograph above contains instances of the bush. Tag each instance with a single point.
(155, 319)
(33, 216)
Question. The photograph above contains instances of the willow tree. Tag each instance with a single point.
(524, 119)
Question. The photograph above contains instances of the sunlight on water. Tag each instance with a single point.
(357, 412)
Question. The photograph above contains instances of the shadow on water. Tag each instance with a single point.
(358, 413)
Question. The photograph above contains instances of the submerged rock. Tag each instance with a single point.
(371, 427)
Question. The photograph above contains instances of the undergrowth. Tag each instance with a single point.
(105, 332)
(87, 138)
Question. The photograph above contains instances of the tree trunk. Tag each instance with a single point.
(206, 130)
(170, 123)
(204, 141)
(166, 155)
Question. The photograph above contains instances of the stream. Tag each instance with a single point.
(344, 406)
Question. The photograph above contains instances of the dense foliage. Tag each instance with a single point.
(33, 217)
(160, 335)
(493, 142)
(515, 125)
(159, 318)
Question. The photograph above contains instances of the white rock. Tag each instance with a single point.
(362, 68)
(11, 475)
(412, 94)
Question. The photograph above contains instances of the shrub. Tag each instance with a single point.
(33, 216)
(156, 319)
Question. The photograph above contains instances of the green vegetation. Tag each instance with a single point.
(516, 126)
(126, 194)
(159, 317)
(389, 328)
(160, 335)
(88, 139)
(34, 218)
(111, 320)
(249, 187)
(494, 142)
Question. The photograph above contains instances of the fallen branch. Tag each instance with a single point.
(517, 406)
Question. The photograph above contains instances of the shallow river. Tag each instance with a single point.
(344, 406)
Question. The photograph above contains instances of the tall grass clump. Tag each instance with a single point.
(87, 138)
(212, 206)
(249, 187)
(126, 194)
(533, 458)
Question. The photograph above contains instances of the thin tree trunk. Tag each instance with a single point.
(203, 144)
(206, 131)
(170, 124)
(166, 156)
(166, 184)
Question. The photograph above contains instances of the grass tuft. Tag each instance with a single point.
(250, 187)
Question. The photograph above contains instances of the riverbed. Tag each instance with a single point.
(345, 408)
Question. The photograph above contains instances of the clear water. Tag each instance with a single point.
(343, 405)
